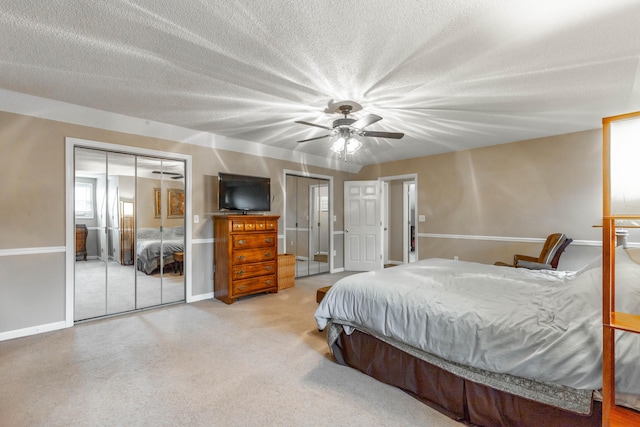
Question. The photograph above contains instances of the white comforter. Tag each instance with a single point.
(542, 325)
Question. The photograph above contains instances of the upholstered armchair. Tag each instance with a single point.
(549, 256)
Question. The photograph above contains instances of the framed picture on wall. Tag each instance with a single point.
(157, 197)
(175, 207)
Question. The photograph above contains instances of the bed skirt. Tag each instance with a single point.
(455, 396)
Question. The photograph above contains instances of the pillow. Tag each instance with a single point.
(634, 254)
(148, 233)
(627, 281)
(623, 256)
(594, 263)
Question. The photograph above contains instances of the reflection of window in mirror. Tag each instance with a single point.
(84, 200)
(127, 209)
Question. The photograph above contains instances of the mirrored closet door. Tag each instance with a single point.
(129, 215)
(307, 227)
(160, 232)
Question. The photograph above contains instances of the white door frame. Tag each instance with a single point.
(406, 222)
(385, 221)
(70, 144)
(411, 178)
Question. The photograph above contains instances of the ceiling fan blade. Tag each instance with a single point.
(312, 124)
(317, 137)
(365, 121)
(393, 135)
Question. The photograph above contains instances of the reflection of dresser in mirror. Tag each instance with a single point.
(81, 241)
(126, 234)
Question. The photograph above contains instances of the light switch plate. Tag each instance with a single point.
(421, 218)
(196, 219)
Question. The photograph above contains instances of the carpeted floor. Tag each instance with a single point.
(104, 289)
(260, 361)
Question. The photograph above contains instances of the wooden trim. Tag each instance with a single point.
(625, 321)
(612, 415)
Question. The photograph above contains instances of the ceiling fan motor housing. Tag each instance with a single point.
(343, 122)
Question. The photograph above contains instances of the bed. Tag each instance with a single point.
(484, 344)
(151, 243)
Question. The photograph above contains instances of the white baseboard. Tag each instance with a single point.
(33, 330)
(200, 297)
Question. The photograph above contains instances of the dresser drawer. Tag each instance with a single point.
(254, 255)
(248, 286)
(248, 225)
(237, 226)
(258, 240)
(245, 271)
(254, 225)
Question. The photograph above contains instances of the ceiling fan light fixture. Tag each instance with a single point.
(338, 145)
(353, 145)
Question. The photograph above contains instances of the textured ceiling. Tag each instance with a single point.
(450, 74)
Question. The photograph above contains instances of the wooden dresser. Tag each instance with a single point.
(245, 256)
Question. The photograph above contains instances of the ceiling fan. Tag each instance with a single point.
(346, 131)
(172, 175)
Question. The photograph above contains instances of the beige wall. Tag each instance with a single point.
(480, 203)
(34, 171)
(32, 215)
(526, 189)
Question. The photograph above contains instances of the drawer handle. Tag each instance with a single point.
(241, 288)
(241, 258)
(241, 272)
(268, 268)
(268, 240)
(267, 254)
(241, 242)
(268, 282)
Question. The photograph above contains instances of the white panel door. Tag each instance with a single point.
(363, 226)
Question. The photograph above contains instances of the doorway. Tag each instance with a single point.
(129, 218)
(399, 217)
(380, 222)
(308, 215)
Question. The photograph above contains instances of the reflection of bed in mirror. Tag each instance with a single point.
(151, 243)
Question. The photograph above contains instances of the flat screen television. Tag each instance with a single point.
(243, 193)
